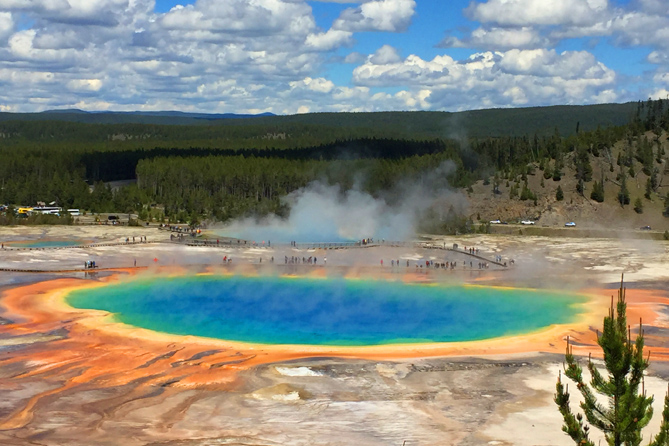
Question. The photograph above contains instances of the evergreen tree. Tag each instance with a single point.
(513, 192)
(628, 156)
(624, 193)
(649, 189)
(143, 214)
(582, 165)
(644, 154)
(194, 219)
(653, 179)
(629, 409)
(597, 193)
(559, 195)
(660, 153)
(638, 206)
(557, 170)
(526, 193)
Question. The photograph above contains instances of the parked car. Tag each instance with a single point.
(527, 222)
(495, 222)
(571, 224)
(646, 228)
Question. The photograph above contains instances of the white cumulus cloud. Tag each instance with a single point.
(85, 84)
(545, 63)
(377, 15)
(515, 77)
(6, 24)
(329, 40)
(498, 38)
(242, 17)
(272, 55)
(385, 55)
(319, 85)
(661, 93)
(96, 12)
(538, 12)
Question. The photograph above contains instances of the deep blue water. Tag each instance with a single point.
(275, 310)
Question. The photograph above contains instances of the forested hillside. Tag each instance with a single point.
(602, 179)
(189, 173)
(472, 124)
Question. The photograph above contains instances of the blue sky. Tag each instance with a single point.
(296, 56)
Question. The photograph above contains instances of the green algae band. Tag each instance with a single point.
(271, 310)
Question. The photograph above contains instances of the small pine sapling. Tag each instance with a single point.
(629, 409)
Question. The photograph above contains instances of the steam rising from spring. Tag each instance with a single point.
(326, 213)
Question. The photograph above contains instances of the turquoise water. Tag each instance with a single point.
(44, 244)
(275, 310)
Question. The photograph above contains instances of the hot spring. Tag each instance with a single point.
(280, 310)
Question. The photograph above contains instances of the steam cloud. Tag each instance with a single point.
(325, 213)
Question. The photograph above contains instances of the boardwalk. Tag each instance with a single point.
(8, 246)
(210, 244)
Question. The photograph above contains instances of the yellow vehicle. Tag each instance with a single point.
(24, 211)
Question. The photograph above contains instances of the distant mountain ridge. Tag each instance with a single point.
(167, 117)
(168, 113)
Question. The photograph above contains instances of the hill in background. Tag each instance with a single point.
(487, 205)
(457, 125)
